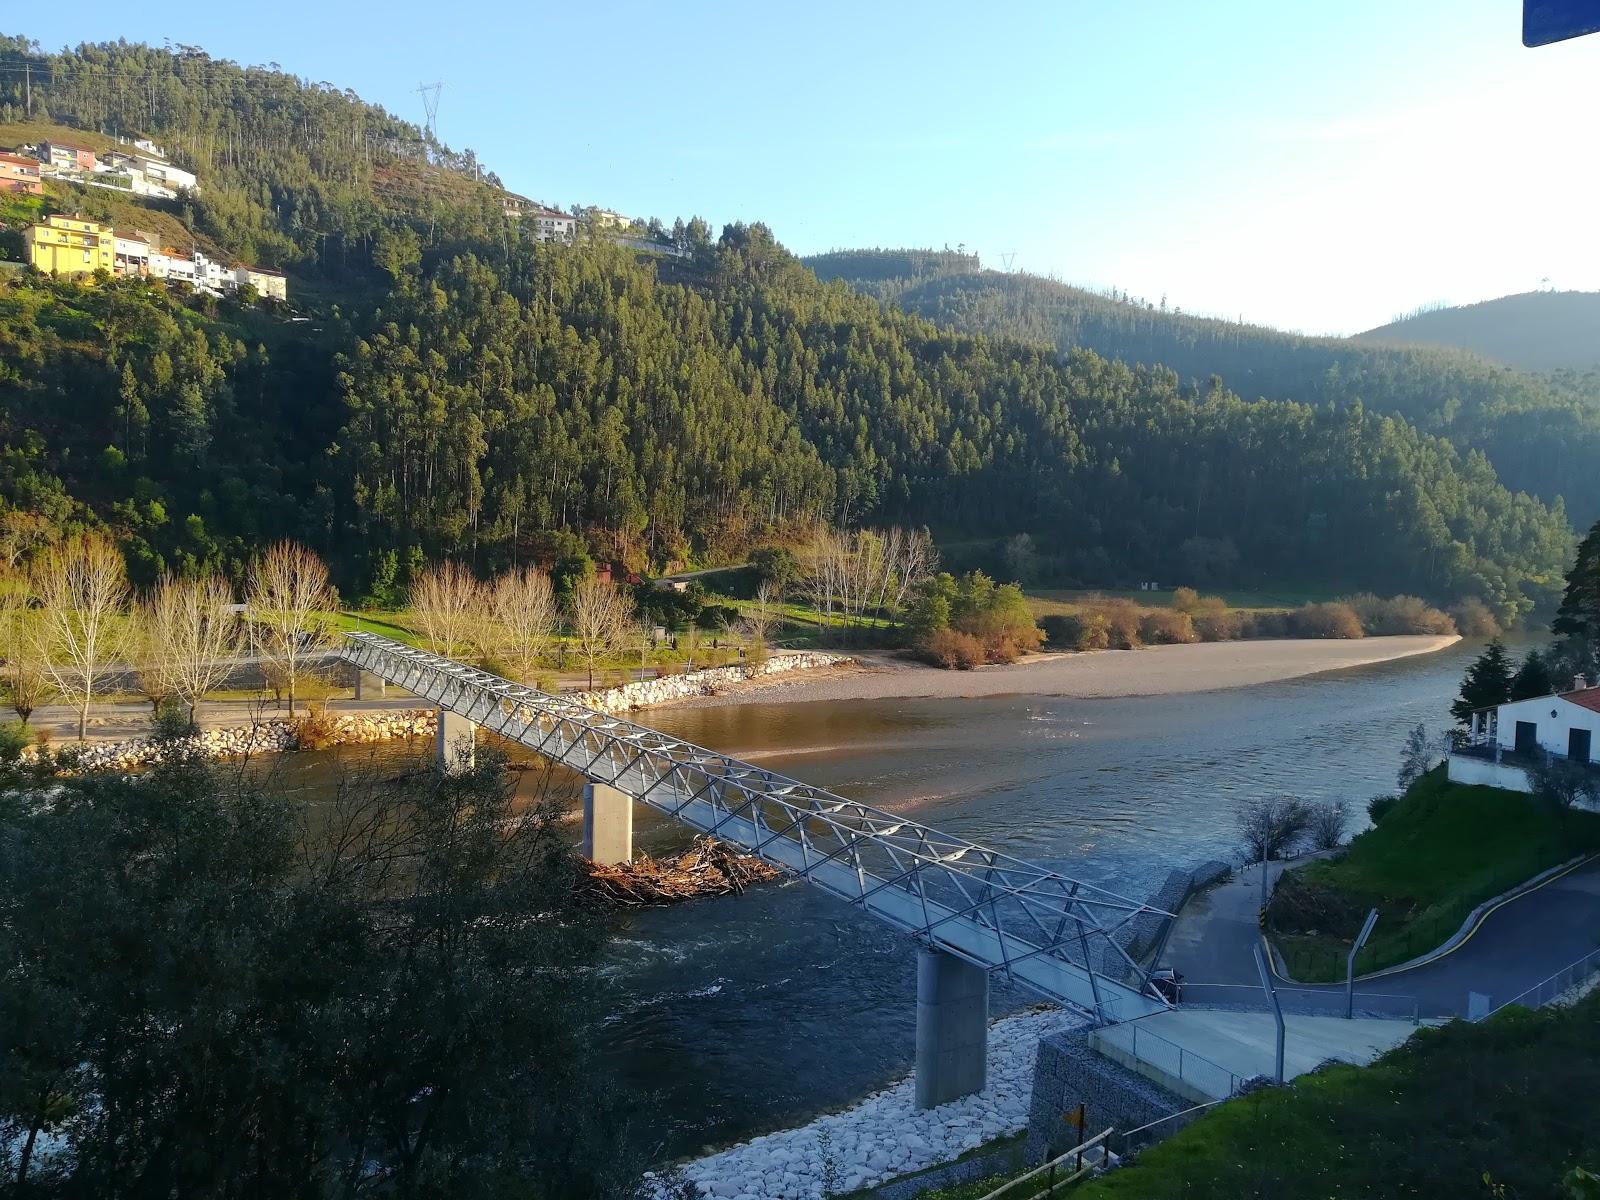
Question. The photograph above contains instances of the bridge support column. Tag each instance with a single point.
(453, 740)
(952, 1028)
(607, 825)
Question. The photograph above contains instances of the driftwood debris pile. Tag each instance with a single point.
(707, 868)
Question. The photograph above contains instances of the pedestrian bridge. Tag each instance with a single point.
(974, 911)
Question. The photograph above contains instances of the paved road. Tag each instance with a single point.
(1518, 945)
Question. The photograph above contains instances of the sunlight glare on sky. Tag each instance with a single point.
(1317, 167)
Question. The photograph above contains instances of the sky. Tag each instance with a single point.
(1319, 167)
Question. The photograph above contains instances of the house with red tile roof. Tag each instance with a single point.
(1506, 739)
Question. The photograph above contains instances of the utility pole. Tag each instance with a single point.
(27, 88)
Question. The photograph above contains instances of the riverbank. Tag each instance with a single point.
(885, 1135)
(1100, 674)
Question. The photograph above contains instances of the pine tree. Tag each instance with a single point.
(1532, 679)
(1579, 615)
(1487, 683)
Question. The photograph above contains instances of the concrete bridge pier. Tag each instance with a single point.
(453, 740)
(607, 825)
(952, 1028)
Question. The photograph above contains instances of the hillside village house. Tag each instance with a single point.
(130, 252)
(1506, 739)
(604, 218)
(553, 226)
(67, 156)
(65, 245)
(269, 284)
(19, 174)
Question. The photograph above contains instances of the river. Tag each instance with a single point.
(739, 1015)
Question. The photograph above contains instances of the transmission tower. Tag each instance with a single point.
(430, 103)
(1007, 258)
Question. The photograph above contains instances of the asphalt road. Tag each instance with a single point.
(1516, 947)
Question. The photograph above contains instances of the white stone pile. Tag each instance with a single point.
(709, 682)
(885, 1135)
(344, 729)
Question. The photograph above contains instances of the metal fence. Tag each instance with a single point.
(1547, 990)
(1165, 1061)
(1309, 1002)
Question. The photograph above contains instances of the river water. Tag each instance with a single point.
(739, 1015)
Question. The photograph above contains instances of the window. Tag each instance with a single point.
(85, 256)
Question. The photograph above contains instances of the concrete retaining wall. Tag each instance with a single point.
(1466, 769)
(1069, 1072)
(698, 683)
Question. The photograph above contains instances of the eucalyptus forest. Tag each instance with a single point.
(457, 389)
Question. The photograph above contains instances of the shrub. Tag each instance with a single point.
(1185, 599)
(1328, 821)
(953, 649)
(316, 729)
(1122, 624)
(1398, 615)
(1329, 620)
(14, 739)
(1380, 807)
(1167, 627)
(1224, 626)
(171, 721)
(1264, 625)
(1094, 631)
(1474, 618)
(1061, 631)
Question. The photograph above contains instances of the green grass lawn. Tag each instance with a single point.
(1502, 1109)
(384, 624)
(1441, 851)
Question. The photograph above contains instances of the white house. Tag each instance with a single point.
(267, 282)
(1505, 739)
(132, 252)
(552, 226)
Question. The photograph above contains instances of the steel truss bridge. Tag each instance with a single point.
(1051, 934)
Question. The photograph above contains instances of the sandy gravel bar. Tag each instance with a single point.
(1151, 671)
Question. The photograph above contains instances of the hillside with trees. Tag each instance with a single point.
(464, 391)
(1534, 331)
(1542, 433)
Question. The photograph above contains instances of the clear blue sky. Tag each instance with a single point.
(1315, 166)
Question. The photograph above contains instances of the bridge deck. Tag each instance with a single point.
(1034, 926)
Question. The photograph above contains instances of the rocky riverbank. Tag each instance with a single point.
(665, 689)
(885, 1135)
(264, 737)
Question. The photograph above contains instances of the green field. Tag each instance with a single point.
(1441, 851)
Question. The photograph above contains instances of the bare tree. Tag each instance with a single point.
(445, 602)
(600, 616)
(1421, 752)
(26, 684)
(82, 591)
(288, 599)
(1272, 827)
(1326, 824)
(523, 611)
(190, 636)
(758, 621)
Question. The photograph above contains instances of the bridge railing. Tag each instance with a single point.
(1034, 926)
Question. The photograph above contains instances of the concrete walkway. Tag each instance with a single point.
(1517, 946)
(1222, 1049)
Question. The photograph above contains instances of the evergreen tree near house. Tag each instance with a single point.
(1533, 678)
(1578, 618)
(1486, 684)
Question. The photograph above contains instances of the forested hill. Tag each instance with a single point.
(462, 390)
(294, 174)
(1541, 433)
(1535, 331)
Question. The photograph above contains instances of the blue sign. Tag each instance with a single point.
(1546, 21)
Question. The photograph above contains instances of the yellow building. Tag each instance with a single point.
(69, 245)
